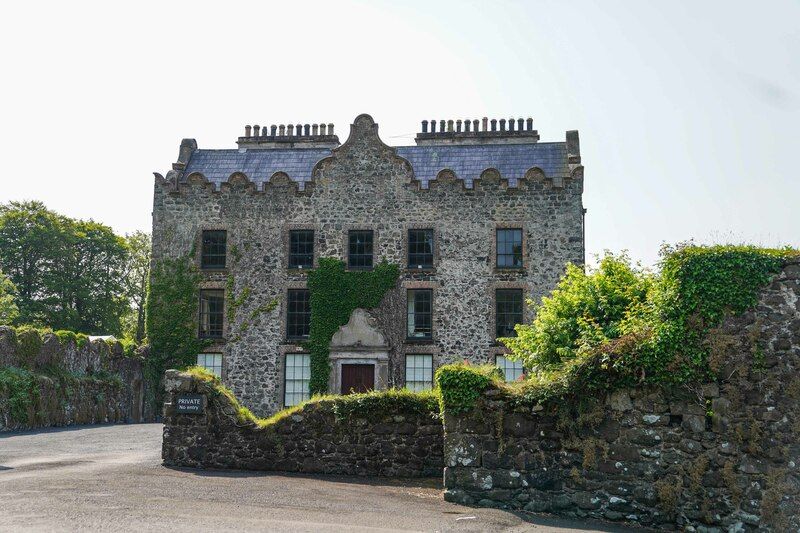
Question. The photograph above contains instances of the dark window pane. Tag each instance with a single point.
(420, 306)
(508, 312)
(509, 248)
(360, 249)
(212, 304)
(420, 248)
(213, 252)
(301, 249)
(298, 314)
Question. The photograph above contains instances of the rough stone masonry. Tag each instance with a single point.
(464, 181)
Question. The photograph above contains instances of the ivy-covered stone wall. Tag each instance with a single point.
(59, 379)
(723, 455)
(387, 434)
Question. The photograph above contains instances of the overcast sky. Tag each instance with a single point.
(687, 111)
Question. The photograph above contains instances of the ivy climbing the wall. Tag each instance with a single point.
(335, 294)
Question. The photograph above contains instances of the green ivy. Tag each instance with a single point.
(335, 294)
(66, 336)
(461, 385)
(170, 310)
(29, 344)
(19, 393)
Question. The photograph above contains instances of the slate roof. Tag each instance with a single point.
(467, 161)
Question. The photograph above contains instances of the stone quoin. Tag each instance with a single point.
(479, 216)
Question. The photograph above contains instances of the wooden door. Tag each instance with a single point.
(358, 378)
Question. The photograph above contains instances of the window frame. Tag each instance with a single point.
(416, 265)
(425, 357)
(309, 255)
(350, 254)
(291, 313)
(204, 254)
(429, 313)
(502, 367)
(497, 247)
(205, 294)
(304, 396)
(498, 314)
(206, 366)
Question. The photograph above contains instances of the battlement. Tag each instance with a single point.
(485, 131)
(288, 136)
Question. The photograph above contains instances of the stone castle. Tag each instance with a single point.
(479, 216)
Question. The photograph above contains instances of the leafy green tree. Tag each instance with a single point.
(584, 311)
(68, 272)
(135, 282)
(8, 307)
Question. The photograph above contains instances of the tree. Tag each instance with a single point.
(8, 307)
(135, 282)
(68, 272)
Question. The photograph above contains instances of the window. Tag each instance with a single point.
(301, 249)
(298, 314)
(512, 370)
(419, 313)
(420, 248)
(211, 362)
(212, 305)
(419, 372)
(297, 377)
(509, 248)
(213, 254)
(360, 249)
(508, 311)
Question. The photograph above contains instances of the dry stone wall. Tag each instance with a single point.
(88, 384)
(723, 456)
(312, 440)
(366, 185)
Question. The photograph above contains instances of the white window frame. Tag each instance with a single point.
(419, 372)
(505, 364)
(296, 378)
(211, 362)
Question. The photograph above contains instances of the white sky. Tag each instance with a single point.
(687, 111)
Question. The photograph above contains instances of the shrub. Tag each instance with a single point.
(461, 385)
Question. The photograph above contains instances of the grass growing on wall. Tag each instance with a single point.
(335, 294)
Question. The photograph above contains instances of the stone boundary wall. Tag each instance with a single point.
(311, 440)
(88, 391)
(723, 456)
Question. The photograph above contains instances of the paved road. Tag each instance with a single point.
(111, 478)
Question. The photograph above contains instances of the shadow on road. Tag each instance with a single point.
(60, 429)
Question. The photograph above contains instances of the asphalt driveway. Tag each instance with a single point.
(111, 478)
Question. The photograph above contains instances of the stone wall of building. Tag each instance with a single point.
(315, 439)
(723, 456)
(88, 384)
(366, 185)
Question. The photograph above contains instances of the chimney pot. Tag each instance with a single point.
(475, 126)
(520, 124)
(529, 124)
(256, 130)
(511, 125)
(424, 126)
(283, 130)
(330, 129)
(247, 131)
(458, 125)
(485, 124)
(322, 129)
(315, 129)
(494, 124)
(307, 130)
(290, 130)
(502, 124)
(273, 129)
(466, 126)
(433, 126)
(450, 126)
(441, 126)
(299, 130)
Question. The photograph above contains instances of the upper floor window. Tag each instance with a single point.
(512, 370)
(420, 248)
(212, 305)
(419, 372)
(214, 248)
(297, 378)
(298, 314)
(420, 307)
(509, 248)
(301, 248)
(508, 311)
(360, 249)
(211, 362)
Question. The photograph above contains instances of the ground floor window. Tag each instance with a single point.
(419, 372)
(211, 362)
(298, 375)
(511, 369)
